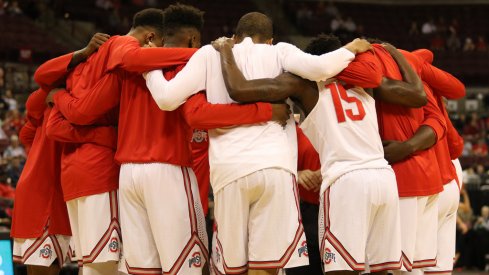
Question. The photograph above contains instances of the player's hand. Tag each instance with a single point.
(222, 43)
(395, 151)
(358, 46)
(97, 40)
(310, 180)
(50, 97)
(280, 113)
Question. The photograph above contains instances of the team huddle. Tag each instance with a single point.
(117, 130)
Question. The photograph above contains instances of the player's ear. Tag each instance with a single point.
(149, 37)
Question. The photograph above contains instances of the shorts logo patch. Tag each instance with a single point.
(218, 255)
(46, 252)
(114, 245)
(199, 136)
(303, 249)
(196, 260)
(328, 256)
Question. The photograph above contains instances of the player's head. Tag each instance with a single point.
(323, 43)
(256, 25)
(147, 26)
(182, 26)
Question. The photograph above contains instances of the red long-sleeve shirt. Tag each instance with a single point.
(39, 197)
(364, 71)
(416, 176)
(26, 135)
(308, 159)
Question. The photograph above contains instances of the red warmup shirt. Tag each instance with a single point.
(39, 198)
(89, 168)
(308, 159)
(26, 136)
(417, 175)
(200, 165)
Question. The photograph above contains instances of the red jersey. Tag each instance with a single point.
(26, 136)
(416, 176)
(200, 165)
(308, 159)
(39, 198)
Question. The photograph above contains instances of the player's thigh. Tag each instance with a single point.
(275, 205)
(140, 252)
(171, 198)
(384, 238)
(408, 208)
(230, 240)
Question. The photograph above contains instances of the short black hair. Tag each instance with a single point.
(255, 24)
(181, 16)
(149, 18)
(323, 43)
(374, 40)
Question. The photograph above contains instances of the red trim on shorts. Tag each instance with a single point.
(32, 248)
(405, 261)
(143, 271)
(194, 239)
(229, 270)
(328, 235)
(424, 263)
(439, 272)
(291, 249)
(113, 226)
(386, 266)
(57, 248)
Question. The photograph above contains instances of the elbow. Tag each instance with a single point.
(167, 105)
(235, 94)
(420, 98)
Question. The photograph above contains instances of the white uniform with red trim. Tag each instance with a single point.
(43, 250)
(359, 222)
(170, 234)
(95, 242)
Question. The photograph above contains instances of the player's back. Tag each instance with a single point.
(239, 151)
(343, 129)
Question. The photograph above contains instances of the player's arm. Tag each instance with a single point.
(442, 83)
(320, 67)
(201, 114)
(454, 140)
(51, 73)
(242, 90)
(101, 98)
(364, 71)
(27, 134)
(130, 56)
(59, 129)
(169, 95)
(35, 106)
(409, 92)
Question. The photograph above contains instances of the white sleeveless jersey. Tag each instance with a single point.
(343, 129)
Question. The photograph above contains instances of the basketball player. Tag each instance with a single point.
(94, 193)
(352, 165)
(40, 224)
(252, 168)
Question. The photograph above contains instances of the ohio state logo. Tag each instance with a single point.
(328, 256)
(196, 260)
(303, 249)
(114, 245)
(199, 136)
(46, 252)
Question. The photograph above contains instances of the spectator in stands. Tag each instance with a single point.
(482, 174)
(414, 30)
(14, 168)
(2, 7)
(350, 25)
(480, 148)
(13, 122)
(481, 227)
(7, 195)
(466, 239)
(459, 122)
(474, 128)
(332, 10)
(428, 27)
(336, 23)
(481, 44)
(303, 15)
(469, 45)
(437, 43)
(441, 25)
(14, 9)
(10, 100)
(453, 41)
(483, 221)
(467, 148)
(14, 150)
(104, 4)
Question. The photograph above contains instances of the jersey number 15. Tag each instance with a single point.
(339, 95)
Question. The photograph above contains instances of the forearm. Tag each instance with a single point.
(77, 58)
(442, 83)
(49, 74)
(407, 72)
(423, 139)
(201, 114)
(365, 71)
(35, 105)
(401, 93)
(27, 134)
(140, 60)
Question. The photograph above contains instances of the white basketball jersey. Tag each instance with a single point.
(343, 129)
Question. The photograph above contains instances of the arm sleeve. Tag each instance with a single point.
(454, 140)
(442, 83)
(201, 114)
(364, 71)
(52, 71)
(130, 56)
(169, 95)
(100, 99)
(313, 67)
(35, 106)
(27, 134)
(433, 117)
(59, 129)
